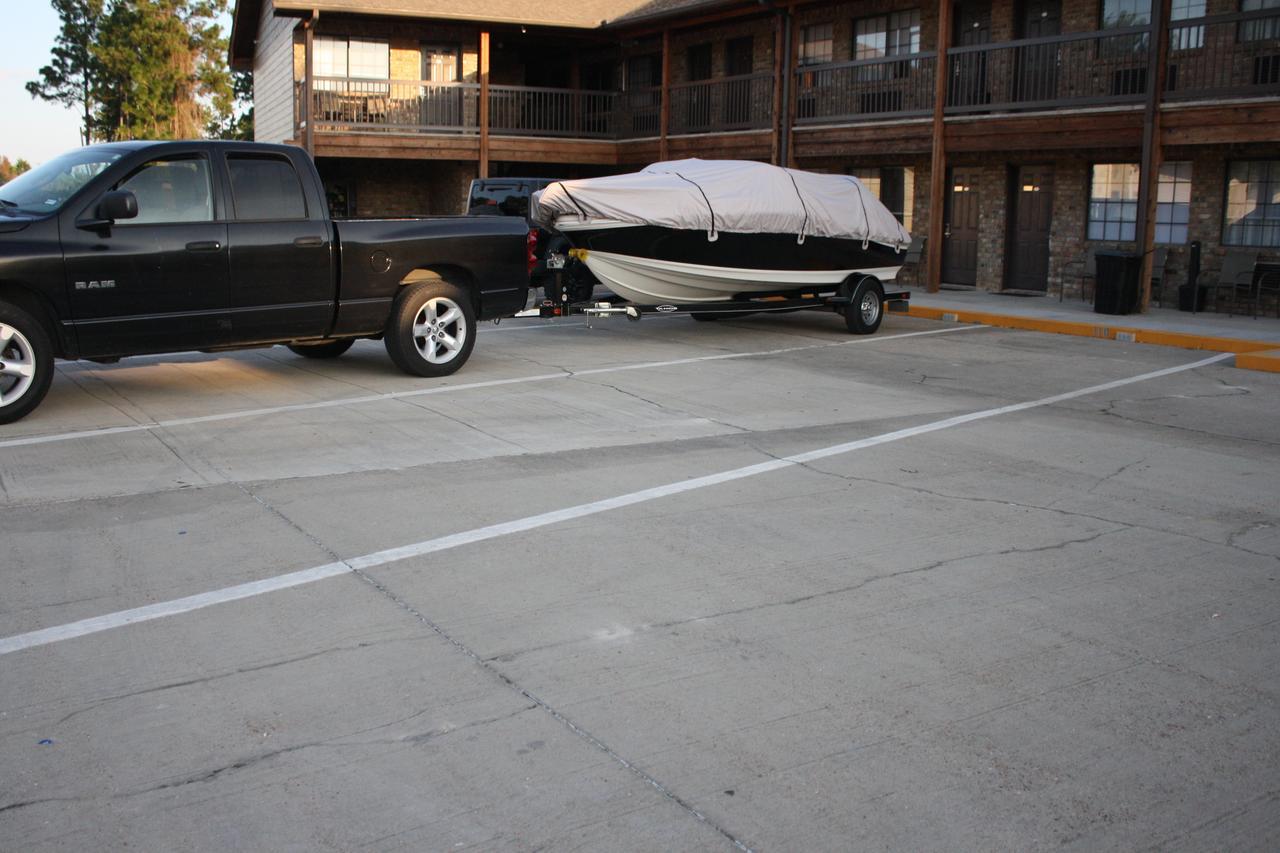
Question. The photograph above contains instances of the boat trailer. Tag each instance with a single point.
(866, 293)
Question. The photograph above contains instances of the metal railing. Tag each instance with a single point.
(538, 111)
(1224, 55)
(1077, 69)
(865, 89)
(394, 106)
(742, 102)
(639, 113)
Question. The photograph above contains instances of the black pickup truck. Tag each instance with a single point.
(151, 247)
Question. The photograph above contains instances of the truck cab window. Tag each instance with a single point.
(265, 188)
(171, 190)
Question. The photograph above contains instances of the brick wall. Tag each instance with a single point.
(760, 30)
(388, 188)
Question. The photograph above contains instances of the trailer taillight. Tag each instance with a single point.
(531, 250)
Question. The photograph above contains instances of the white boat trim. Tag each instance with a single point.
(577, 223)
(647, 281)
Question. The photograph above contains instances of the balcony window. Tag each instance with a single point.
(882, 36)
(1125, 13)
(351, 59)
(1173, 203)
(895, 186)
(1113, 202)
(1253, 204)
(1186, 38)
(816, 42)
(1260, 30)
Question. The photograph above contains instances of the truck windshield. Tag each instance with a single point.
(46, 188)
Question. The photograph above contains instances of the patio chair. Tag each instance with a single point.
(1236, 277)
(1085, 268)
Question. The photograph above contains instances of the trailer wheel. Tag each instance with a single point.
(327, 349)
(865, 310)
(26, 363)
(432, 329)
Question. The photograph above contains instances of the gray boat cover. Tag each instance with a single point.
(728, 195)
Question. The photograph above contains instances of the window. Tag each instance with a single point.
(895, 186)
(1186, 38)
(265, 188)
(1253, 204)
(1173, 203)
(897, 34)
(170, 190)
(1125, 13)
(350, 58)
(739, 55)
(1265, 28)
(815, 44)
(1113, 202)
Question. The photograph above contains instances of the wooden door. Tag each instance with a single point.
(1036, 65)
(960, 228)
(739, 57)
(969, 70)
(1031, 220)
(441, 102)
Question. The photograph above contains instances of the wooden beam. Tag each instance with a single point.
(483, 168)
(664, 118)
(938, 163)
(775, 156)
(1152, 151)
(790, 60)
(308, 86)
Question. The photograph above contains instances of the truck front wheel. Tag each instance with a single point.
(26, 363)
(432, 329)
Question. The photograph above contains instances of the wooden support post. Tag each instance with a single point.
(789, 83)
(775, 156)
(483, 168)
(1152, 149)
(664, 117)
(308, 85)
(938, 167)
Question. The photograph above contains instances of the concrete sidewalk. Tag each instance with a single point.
(1256, 341)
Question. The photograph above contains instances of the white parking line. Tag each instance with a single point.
(58, 633)
(448, 389)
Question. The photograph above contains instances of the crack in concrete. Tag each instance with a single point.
(662, 406)
(557, 715)
(1109, 411)
(507, 657)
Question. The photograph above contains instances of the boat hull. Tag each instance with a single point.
(648, 264)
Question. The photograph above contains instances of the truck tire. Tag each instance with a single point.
(865, 310)
(327, 349)
(432, 329)
(26, 363)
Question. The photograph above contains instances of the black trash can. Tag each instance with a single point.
(1117, 287)
(1190, 297)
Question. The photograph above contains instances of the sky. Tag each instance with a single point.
(30, 128)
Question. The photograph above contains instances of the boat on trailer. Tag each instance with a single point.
(690, 232)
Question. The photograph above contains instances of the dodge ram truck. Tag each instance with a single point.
(133, 248)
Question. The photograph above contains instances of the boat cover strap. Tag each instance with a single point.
(711, 233)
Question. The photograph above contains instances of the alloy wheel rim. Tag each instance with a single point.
(870, 308)
(17, 364)
(440, 330)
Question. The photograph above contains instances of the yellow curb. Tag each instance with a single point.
(1268, 361)
(1128, 334)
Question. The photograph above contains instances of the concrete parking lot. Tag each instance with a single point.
(656, 585)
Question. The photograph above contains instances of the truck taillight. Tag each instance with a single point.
(531, 247)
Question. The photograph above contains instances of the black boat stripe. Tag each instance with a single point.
(574, 200)
(804, 226)
(704, 198)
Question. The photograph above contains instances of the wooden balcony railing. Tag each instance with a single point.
(743, 102)
(866, 89)
(1236, 55)
(394, 106)
(537, 111)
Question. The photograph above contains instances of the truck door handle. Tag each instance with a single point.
(204, 246)
(309, 242)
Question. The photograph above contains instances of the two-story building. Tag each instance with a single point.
(1041, 129)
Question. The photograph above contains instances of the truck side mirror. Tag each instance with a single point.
(118, 204)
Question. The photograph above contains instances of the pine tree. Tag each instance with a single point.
(9, 171)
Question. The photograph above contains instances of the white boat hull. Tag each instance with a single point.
(647, 281)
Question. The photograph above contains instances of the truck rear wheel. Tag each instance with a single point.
(326, 349)
(26, 363)
(432, 329)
